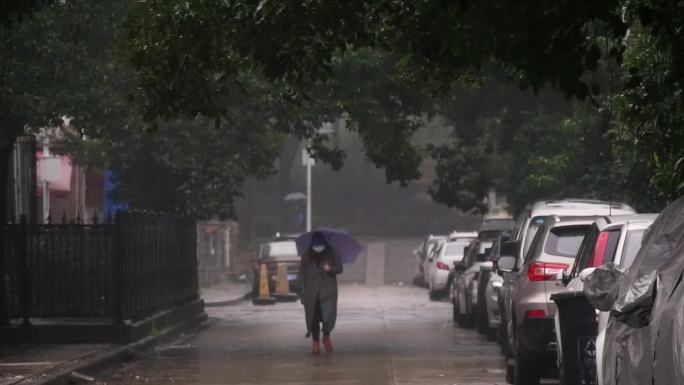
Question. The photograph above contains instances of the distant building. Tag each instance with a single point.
(497, 206)
(76, 192)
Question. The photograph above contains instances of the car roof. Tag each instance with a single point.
(610, 222)
(459, 242)
(578, 207)
(572, 221)
(497, 224)
(463, 234)
(280, 242)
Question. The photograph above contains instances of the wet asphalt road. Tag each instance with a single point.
(385, 335)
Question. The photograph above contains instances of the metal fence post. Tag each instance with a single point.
(4, 235)
(25, 273)
(193, 263)
(118, 282)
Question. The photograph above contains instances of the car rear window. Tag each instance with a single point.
(454, 249)
(280, 249)
(565, 241)
(631, 248)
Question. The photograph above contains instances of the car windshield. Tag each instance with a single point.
(565, 241)
(280, 250)
(631, 248)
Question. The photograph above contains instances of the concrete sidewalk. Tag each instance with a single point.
(29, 364)
(227, 293)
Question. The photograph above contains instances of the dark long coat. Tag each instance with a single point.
(321, 284)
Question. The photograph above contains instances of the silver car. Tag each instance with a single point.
(464, 287)
(551, 253)
(527, 224)
(611, 239)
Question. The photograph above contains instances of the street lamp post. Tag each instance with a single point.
(309, 162)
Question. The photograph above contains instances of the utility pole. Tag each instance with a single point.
(46, 183)
(309, 162)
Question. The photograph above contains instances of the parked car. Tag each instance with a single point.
(527, 224)
(464, 278)
(492, 228)
(422, 253)
(462, 236)
(551, 252)
(646, 304)
(487, 318)
(440, 264)
(611, 239)
(286, 236)
(273, 253)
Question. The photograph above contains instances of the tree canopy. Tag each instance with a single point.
(564, 45)
(162, 89)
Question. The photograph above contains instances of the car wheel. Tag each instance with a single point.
(491, 334)
(469, 316)
(503, 337)
(510, 372)
(255, 288)
(461, 319)
(482, 321)
(527, 370)
(431, 293)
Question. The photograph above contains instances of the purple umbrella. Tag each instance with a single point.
(346, 247)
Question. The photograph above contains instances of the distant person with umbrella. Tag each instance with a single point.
(323, 252)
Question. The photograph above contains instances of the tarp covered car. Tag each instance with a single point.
(646, 303)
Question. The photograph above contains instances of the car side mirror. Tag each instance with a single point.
(505, 264)
(585, 273)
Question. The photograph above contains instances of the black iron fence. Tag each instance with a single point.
(129, 269)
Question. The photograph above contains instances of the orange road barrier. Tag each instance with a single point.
(283, 293)
(264, 297)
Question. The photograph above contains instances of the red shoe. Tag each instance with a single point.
(316, 347)
(328, 344)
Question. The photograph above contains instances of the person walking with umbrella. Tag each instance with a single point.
(323, 252)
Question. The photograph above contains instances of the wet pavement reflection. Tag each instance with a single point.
(385, 335)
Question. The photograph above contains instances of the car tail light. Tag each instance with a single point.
(599, 254)
(540, 271)
(442, 266)
(535, 314)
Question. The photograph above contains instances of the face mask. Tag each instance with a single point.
(318, 248)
